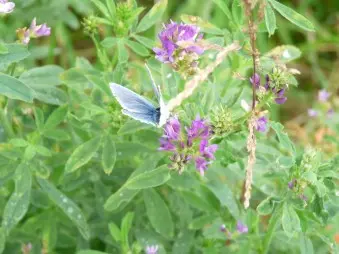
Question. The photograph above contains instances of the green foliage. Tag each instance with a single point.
(78, 176)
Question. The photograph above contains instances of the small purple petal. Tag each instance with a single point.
(280, 100)
(291, 184)
(262, 124)
(166, 145)
(172, 129)
(242, 228)
(6, 7)
(152, 249)
(255, 80)
(223, 228)
(312, 113)
(201, 165)
(330, 113)
(323, 95)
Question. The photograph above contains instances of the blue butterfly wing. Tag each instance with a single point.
(130, 101)
(152, 117)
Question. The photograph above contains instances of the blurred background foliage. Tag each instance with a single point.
(318, 66)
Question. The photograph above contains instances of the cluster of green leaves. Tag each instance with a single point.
(78, 177)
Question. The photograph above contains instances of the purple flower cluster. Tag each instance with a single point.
(34, 31)
(279, 93)
(6, 7)
(323, 96)
(241, 229)
(189, 145)
(173, 34)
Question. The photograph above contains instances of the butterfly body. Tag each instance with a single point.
(138, 107)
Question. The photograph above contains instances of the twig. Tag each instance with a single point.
(202, 75)
(251, 140)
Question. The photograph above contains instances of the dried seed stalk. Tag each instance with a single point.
(202, 75)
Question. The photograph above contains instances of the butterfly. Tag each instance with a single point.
(138, 107)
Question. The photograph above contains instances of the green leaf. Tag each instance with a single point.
(122, 52)
(101, 7)
(18, 203)
(285, 53)
(14, 54)
(144, 41)
(56, 117)
(56, 134)
(2, 239)
(292, 16)
(39, 118)
(272, 225)
(306, 246)
(123, 195)
(265, 207)
(45, 76)
(270, 20)
(321, 188)
(223, 6)
(238, 13)
(115, 232)
(290, 220)
(153, 16)
(158, 213)
(309, 176)
(196, 201)
(132, 126)
(111, 8)
(18, 142)
(98, 82)
(3, 48)
(204, 25)
(149, 179)
(82, 154)
(67, 206)
(15, 89)
(43, 150)
(109, 42)
(137, 48)
(126, 225)
(225, 196)
(202, 221)
(109, 155)
(284, 140)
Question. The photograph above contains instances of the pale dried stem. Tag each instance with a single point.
(251, 147)
(201, 76)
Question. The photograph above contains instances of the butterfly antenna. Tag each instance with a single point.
(155, 86)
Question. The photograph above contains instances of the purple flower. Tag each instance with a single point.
(255, 80)
(262, 124)
(170, 37)
(323, 95)
(280, 98)
(223, 228)
(152, 249)
(312, 113)
(198, 128)
(40, 30)
(201, 165)
(6, 7)
(242, 228)
(172, 128)
(207, 151)
(330, 113)
(166, 145)
(292, 183)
